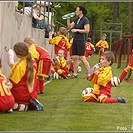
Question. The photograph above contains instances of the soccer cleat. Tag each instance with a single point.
(65, 77)
(71, 71)
(121, 100)
(74, 76)
(37, 104)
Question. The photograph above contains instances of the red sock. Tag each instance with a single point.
(41, 85)
(109, 100)
(71, 66)
(37, 86)
(122, 76)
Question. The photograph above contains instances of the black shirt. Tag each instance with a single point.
(83, 21)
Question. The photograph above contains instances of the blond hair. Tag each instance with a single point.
(104, 34)
(36, 6)
(29, 40)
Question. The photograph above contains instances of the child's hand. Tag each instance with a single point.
(52, 32)
(58, 6)
(97, 66)
(57, 58)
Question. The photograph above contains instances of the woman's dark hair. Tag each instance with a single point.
(84, 11)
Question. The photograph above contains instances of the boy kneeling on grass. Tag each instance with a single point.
(100, 75)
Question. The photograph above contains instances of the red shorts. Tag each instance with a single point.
(44, 67)
(102, 51)
(88, 53)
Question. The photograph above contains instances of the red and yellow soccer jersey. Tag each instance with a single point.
(101, 81)
(43, 53)
(103, 46)
(60, 42)
(62, 65)
(44, 62)
(33, 51)
(18, 77)
(102, 43)
(88, 49)
(89, 46)
(6, 98)
(70, 44)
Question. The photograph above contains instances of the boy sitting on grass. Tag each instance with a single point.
(60, 65)
(100, 75)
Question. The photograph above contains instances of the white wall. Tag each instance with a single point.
(15, 27)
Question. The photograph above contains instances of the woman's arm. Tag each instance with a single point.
(85, 30)
(70, 25)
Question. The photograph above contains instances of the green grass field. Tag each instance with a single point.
(65, 110)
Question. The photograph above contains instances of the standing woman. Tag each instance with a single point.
(79, 27)
(23, 78)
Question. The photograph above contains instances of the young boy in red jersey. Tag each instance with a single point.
(60, 41)
(6, 98)
(100, 75)
(88, 49)
(102, 45)
(127, 69)
(60, 65)
(44, 62)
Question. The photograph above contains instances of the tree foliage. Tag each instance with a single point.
(99, 12)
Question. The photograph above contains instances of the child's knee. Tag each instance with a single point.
(102, 98)
(127, 69)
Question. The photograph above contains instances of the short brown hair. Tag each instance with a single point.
(109, 56)
(104, 34)
(62, 30)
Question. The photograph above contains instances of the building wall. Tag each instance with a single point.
(15, 27)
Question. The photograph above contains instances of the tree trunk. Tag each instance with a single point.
(115, 11)
(129, 18)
